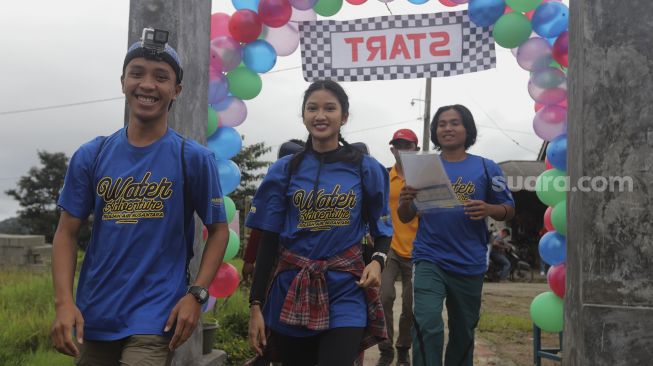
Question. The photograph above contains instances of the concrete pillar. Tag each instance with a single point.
(609, 299)
(189, 23)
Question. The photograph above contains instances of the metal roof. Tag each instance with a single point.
(521, 174)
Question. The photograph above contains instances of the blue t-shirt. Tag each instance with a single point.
(448, 237)
(319, 223)
(135, 267)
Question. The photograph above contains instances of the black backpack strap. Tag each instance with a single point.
(187, 218)
(488, 194)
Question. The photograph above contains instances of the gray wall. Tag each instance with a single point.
(609, 300)
(189, 23)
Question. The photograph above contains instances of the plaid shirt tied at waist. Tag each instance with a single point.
(307, 301)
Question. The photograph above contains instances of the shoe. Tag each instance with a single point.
(403, 356)
(386, 358)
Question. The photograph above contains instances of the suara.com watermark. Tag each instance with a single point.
(563, 183)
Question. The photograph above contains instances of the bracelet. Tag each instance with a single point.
(505, 214)
(254, 302)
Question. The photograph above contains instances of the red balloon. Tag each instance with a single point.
(225, 281)
(547, 219)
(538, 106)
(448, 3)
(356, 2)
(245, 26)
(274, 13)
(547, 164)
(219, 25)
(561, 49)
(556, 278)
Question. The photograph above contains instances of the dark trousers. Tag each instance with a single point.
(501, 260)
(402, 267)
(431, 286)
(337, 346)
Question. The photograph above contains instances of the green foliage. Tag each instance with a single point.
(26, 313)
(37, 194)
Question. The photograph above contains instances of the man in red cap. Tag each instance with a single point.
(399, 260)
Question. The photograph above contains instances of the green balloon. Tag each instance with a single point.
(233, 246)
(551, 187)
(230, 208)
(213, 122)
(327, 8)
(244, 83)
(547, 312)
(511, 30)
(523, 5)
(559, 217)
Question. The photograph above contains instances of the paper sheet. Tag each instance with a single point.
(424, 171)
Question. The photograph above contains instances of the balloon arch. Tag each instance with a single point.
(248, 42)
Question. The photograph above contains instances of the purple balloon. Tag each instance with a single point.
(231, 111)
(303, 4)
(550, 122)
(285, 39)
(549, 77)
(534, 54)
(218, 88)
(226, 54)
(547, 96)
(303, 15)
(209, 304)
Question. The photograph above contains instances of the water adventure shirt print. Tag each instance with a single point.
(395, 47)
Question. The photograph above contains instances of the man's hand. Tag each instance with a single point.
(186, 314)
(477, 209)
(257, 330)
(67, 316)
(371, 275)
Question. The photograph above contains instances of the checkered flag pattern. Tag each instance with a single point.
(478, 52)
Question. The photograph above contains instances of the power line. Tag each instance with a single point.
(17, 111)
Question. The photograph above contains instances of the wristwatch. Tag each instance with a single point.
(381, 258)
(200, 293)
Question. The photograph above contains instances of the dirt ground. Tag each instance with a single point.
(504, 336)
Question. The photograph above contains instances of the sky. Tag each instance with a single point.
(69, 52)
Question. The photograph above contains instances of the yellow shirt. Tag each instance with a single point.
(404, 234)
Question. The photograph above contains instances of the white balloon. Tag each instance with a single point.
(303, 15)
(285, 39)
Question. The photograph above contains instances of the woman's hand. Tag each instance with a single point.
(257, 329)
(477, 209)
(371, 275)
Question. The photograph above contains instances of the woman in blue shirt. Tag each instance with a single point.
(322, 306)
(449, 251)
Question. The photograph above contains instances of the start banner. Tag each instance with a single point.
(395, 47)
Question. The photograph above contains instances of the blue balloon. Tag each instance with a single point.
(418, 2)
(229, 175)
(553, 248)
(246, 4)
(484, 13)
(259, 56)
(218, 89)
(550, 19)
(225, 143)
(556, 152)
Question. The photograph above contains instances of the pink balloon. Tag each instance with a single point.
(356, 2)
(226, 54)
(303, 4)
(547, 219)
(459, 2)
(205, 233)
(550, 122)
(534, 54)
(556, 279)
(225, 281)
(284, 40)
(303, 15)
(274, 13)
(448, 3)
(547, 96)
(245, 25)
(220, 25)
(231, 111)
(561, 49)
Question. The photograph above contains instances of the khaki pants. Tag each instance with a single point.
(136, 350)
(403, 267)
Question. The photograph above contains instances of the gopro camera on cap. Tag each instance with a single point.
(154, 39)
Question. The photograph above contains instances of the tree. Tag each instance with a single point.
(38, 192)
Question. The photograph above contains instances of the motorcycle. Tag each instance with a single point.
(519, 269)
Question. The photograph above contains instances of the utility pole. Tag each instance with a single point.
(189, 23)
(427, 116)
